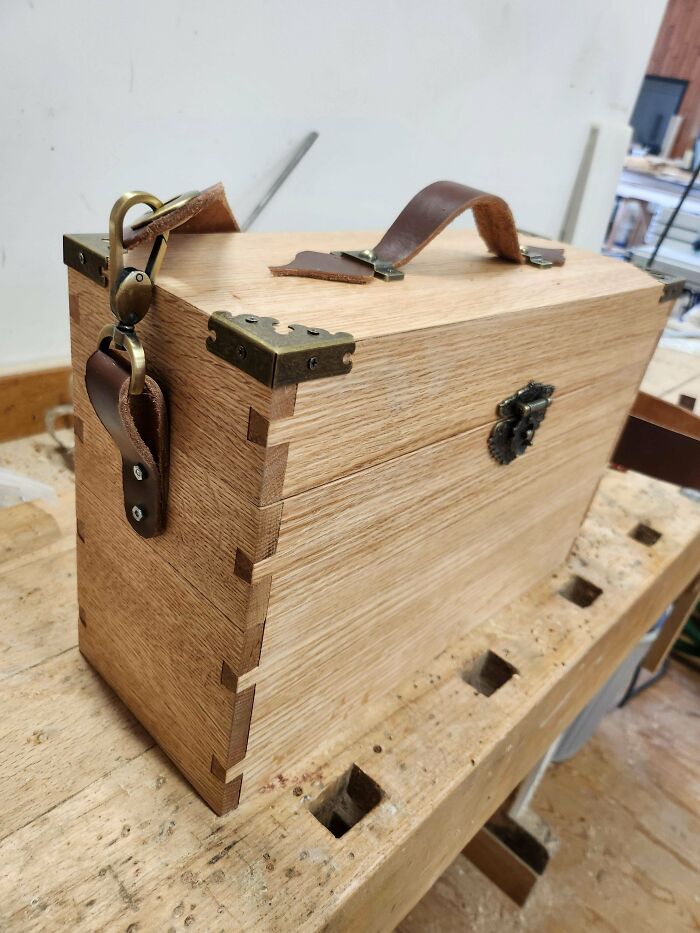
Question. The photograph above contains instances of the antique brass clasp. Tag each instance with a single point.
(522, 413)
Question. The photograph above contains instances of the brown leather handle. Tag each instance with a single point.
(423, 218)
(434, 208)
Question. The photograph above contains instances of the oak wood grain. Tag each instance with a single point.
(25, 395)
(107, 837)
(312, 531)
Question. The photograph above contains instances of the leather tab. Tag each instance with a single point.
(326, 266)
(208, 212)
(138, 425)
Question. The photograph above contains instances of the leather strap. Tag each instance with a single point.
(660, 440)
(423, 218)
(138, 425)
(207, 212)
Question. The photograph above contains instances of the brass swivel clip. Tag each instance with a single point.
(131, 289)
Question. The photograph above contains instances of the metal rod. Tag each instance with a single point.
(296, 158)
(670, 220)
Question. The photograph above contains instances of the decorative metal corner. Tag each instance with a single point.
(277, 358)
(673, 285)
(88, 253)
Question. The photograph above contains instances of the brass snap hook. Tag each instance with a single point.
(131, 289)
(126, 339)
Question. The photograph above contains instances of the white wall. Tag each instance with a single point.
(169, 95)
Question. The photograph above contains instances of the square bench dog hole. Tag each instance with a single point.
(645, 534)
(488, 673)
(580, 592)
(346, 801)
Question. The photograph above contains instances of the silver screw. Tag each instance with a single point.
(137, 512)
(313, 363)
(138, 471)
(81, 259)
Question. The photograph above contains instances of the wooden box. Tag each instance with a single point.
(324, 538)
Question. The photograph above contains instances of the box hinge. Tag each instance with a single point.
(88, 253)
(293, 354)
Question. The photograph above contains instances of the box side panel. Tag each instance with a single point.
(410, 390)
(170, 622)
(377, 570)
(156, 643)
(215, 470)
(327, 688)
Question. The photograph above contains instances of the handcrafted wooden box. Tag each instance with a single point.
(324, 539)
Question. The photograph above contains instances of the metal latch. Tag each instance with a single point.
(534, 258)
(382, 269)
(522, 414)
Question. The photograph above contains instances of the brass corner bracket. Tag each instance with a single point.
(673, 285)
(276, 358)
(88, 253)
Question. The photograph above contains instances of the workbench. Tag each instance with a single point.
(99, 830)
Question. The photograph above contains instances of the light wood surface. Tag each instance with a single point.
(453, 280)
(413, 389)
(435, 353)
(261, 645)
(404, 559)
(673, 626)
(102, 832)
(312, 533)
(26, 393)
(626, 811)
(672, 374)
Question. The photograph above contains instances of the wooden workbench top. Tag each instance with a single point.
(99, 830)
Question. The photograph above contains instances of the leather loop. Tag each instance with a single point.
(138, 425)
(423, 218)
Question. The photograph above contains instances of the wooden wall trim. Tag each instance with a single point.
(25, 394)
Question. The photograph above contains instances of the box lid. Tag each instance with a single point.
(453, 280)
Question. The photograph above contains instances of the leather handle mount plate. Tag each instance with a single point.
(138, 425)
(423, 218)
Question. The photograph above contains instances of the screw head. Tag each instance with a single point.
(241, 352)
(251, 320)
(137, 513)
(81, 259)
(313, 332)
(138, 471)
(313, 363)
